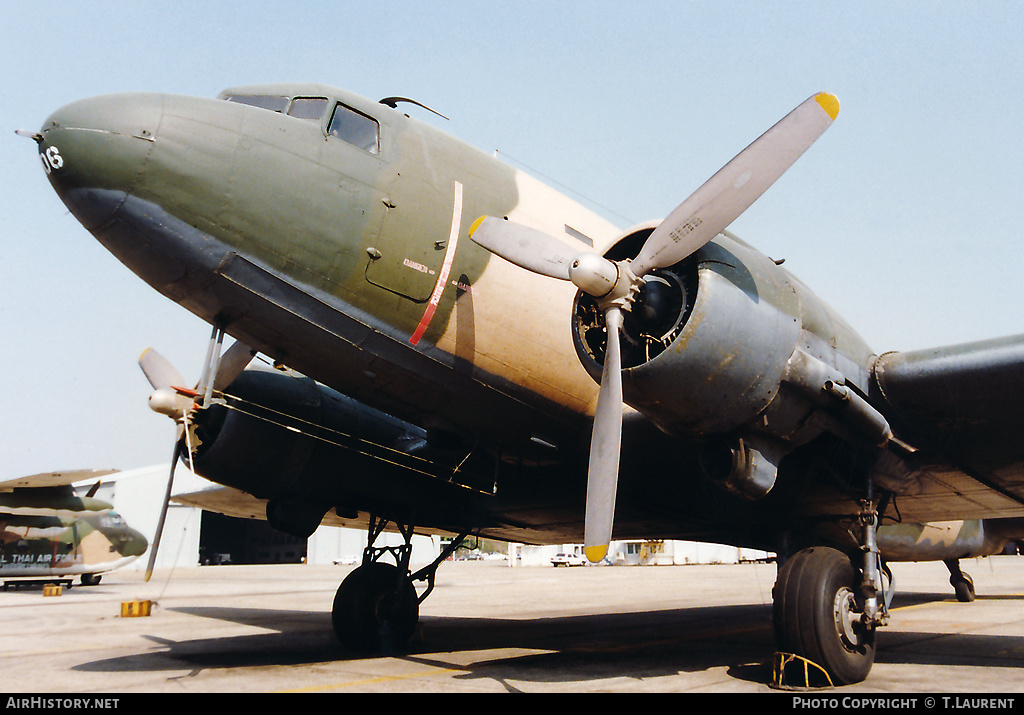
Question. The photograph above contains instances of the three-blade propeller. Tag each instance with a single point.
(171, 397)
(697, 220)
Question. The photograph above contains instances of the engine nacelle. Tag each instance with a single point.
(727, 344)
(305, 448)
(710, 353)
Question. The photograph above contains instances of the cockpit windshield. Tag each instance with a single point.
(112, 520)
(347, 124)
(309, 108)
(263, 101)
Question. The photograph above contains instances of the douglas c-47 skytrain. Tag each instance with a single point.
(463, 350)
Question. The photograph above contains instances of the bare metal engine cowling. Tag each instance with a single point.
(726, 345)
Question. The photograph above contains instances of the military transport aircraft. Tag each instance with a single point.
(49, 532)
(469, 351)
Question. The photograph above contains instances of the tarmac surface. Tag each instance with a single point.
(491, 628)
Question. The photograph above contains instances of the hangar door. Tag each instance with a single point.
(228, 540)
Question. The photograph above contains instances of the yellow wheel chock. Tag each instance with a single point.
(794, 672)
(135, 609)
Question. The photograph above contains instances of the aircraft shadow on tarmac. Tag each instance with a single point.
(569, 648)
(555, 649)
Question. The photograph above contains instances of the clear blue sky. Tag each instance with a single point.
(906, 216)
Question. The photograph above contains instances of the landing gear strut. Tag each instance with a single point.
(376, 608)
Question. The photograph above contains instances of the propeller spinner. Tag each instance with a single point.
(615, 284)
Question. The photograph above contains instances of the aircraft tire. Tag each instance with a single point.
(375, 609)
(964, 588)
(90, 579)
(816, 605)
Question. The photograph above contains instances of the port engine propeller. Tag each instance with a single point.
(615, 284)
(171, 397)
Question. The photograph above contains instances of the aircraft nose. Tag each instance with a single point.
(95, 150)
(135, 544)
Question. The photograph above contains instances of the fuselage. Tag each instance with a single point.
(334, 240)
(180, 187)
(43, 536)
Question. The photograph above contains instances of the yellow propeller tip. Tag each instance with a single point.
(829, 103)
(476, 225)
(595, 553)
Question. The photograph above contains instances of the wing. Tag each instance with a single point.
(960, 405)
(225, 500)
(241, 505)
(54, 479)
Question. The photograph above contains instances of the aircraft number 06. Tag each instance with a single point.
(51, 159)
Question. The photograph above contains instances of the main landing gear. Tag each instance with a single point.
(827, 609)
(376, 608)
(819, 614)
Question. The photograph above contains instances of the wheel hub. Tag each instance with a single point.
(847, 619)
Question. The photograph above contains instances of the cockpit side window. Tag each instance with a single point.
(310, 108)
(263, 101)
(355, 128)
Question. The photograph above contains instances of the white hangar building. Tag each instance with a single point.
(195, 537)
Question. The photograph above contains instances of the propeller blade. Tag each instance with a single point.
(603, 471)
(729, 193)
(159, 371)
(163, 513)
(526, 247)
(234, 360)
